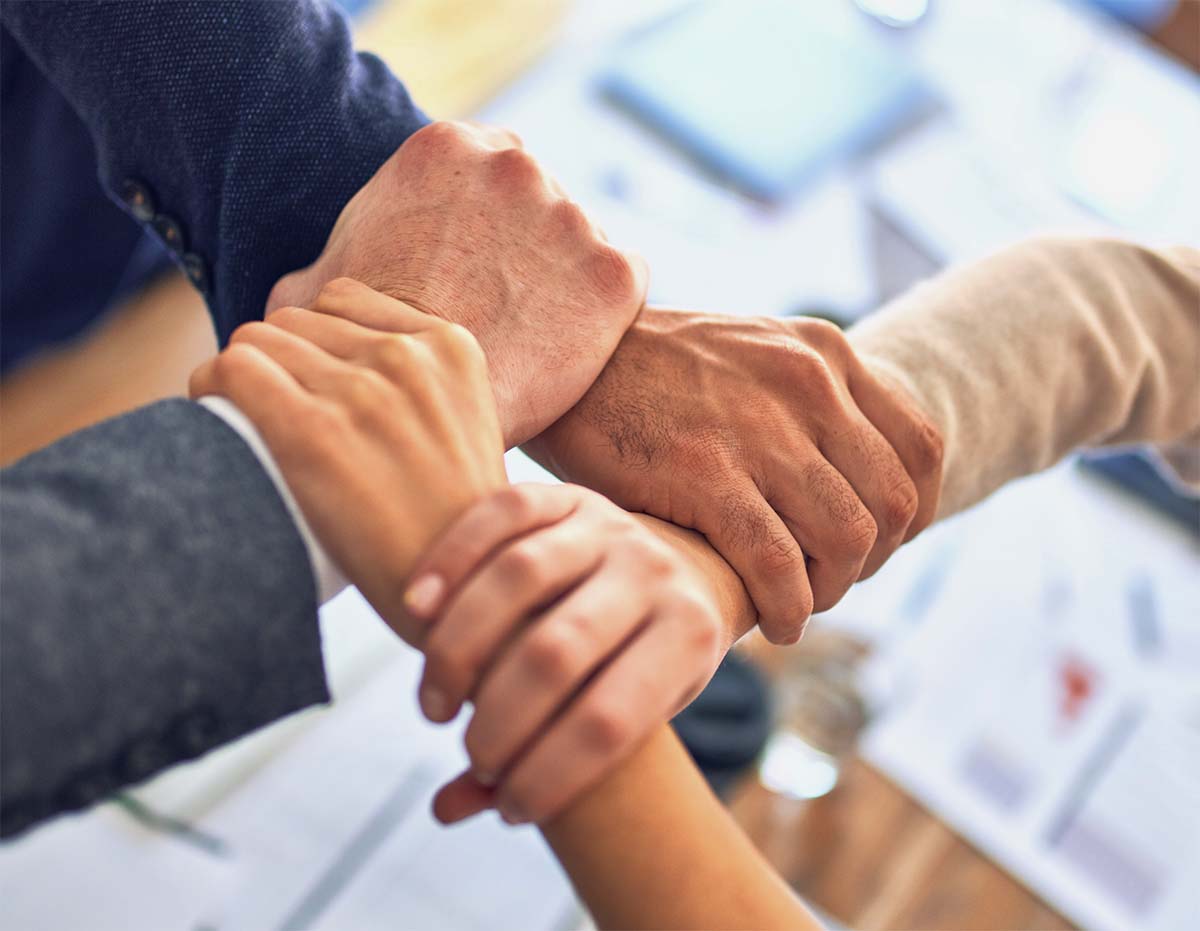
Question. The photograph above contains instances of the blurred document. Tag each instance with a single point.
(1058, 120)
(1048, 706)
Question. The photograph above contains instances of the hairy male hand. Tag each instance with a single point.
(462, 223)
(771, 438)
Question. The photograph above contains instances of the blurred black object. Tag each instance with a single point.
(726, 728)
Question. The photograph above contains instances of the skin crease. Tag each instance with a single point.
(462, 224)
(803, 492)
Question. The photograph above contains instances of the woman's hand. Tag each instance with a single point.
(574, 630)
(381, 420)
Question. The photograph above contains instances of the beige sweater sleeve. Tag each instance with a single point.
(1045, 347)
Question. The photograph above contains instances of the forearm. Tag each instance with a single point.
(651, 847)
(1043, 348)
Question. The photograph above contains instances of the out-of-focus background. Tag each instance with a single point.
(1001, 730)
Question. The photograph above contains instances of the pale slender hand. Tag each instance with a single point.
(770, 437)
(574, 630)
(462, 223)
(381, 420)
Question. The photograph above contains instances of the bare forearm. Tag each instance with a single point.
(651, 847)
(1043, 348)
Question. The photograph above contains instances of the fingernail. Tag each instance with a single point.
(484, 777)
(424, 594)
(511, 813)
(434, 703)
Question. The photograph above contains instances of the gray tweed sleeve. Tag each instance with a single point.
(156, 601)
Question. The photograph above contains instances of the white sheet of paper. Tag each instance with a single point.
(1032, 710)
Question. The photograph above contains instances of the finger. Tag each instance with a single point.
(354, 301)
(833, 527)
(612, 716)
(203, 380)
(516, 581)
(257, 385)
(547, 664)
(311, 366)
(867, 461)
(754, 540)
(489, 523)
(909, 432)
(336, 335)
(461, 798)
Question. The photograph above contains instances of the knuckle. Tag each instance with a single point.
(785, 625)
(337, 288)
(283, 316)
(233, 361)
(515, 168)
(779, 553)
(746, 522)
(605, 729)
(569, 219)
(789, 628)
(713, 452)
(523, 566)
(519, 503)
(460, 343)
(612, 274)
(900, 505)
(808, 365)
(437, 136)
(857, 534)
(549, 656)
(393, 355)
(929, 447)
(850, 529)
(704, 626)
(820, 385)
(824, 335)
(656, 561)
(365, 394)
(247, 332)
(327, 421)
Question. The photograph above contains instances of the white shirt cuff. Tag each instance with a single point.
(328, 577)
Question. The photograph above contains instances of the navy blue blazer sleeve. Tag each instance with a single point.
(235, 129)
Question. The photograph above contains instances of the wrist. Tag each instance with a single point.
(327, 577)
